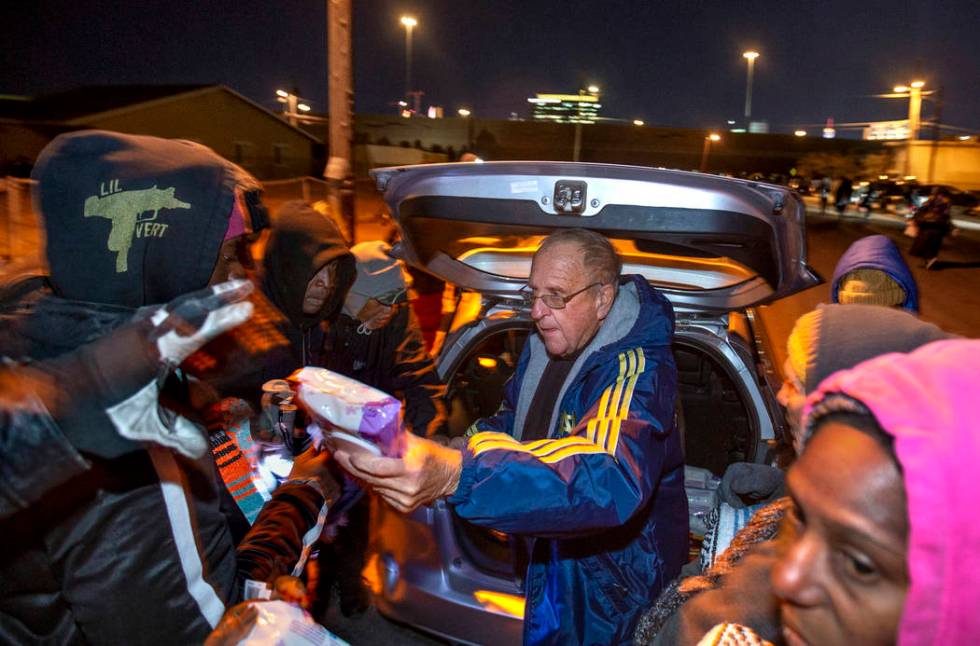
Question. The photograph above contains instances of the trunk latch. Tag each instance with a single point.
(569, 197)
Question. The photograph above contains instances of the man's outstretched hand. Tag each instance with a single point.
(171, 334)
(428, 471)
(185, 324)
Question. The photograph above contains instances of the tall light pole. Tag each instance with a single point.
(914, 92)
(340, 99)
(749, 56)
(409, 22)
(711, 138)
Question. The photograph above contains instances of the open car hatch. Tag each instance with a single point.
(707, 242)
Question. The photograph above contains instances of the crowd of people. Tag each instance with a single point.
(136, 396)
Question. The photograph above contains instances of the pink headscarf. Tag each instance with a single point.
(929, 401)
(236, 220)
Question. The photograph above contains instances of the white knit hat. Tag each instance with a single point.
(379, 276)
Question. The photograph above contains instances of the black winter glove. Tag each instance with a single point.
(120, 374)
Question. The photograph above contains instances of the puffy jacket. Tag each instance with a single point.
(601, 502)
(132, 546)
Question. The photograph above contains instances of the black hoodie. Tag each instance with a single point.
(133, 220)
(301, 243)
(279, 338)
(134, 549)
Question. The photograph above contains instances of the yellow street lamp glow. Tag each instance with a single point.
(303, 107)
(751, 55)
(409, 21)
(917, 84)
(900, 88)
(637, 122)
(594, 89)
(463, 112)
(282, 93)
(800, 133)
(714, 136)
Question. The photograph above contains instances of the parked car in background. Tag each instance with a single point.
(717, 248)
(800, 184)
(963, 203)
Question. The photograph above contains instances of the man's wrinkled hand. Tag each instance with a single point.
(187, 323)
(426, 473)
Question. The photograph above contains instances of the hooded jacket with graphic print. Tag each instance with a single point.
(128, 546)
(601, 501)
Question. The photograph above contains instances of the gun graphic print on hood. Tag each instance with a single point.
(140, 222)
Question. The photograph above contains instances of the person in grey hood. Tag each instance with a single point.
(132, 546)
(307, 271)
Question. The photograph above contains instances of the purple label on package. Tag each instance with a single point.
(339, 403)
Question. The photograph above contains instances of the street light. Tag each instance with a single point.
(711, 138)
(463, 112)
(637, 122)
(800, 133)
(292, 104)
(593, 89)
(749, 56)
(409, 22)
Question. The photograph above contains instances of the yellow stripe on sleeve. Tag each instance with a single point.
(601, 433)
(570, 451)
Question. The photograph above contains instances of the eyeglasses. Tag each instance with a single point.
(552, 301)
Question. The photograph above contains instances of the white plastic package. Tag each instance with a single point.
(351, 414)
(281, 623)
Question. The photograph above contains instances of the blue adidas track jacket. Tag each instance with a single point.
(601, 502)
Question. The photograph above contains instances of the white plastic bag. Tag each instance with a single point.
(283, 623)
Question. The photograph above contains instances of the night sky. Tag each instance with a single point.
(671, 63)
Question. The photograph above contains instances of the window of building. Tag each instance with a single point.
(280, 154)
(243, 152)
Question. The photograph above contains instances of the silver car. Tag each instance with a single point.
(716, 247)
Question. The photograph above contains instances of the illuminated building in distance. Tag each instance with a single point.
(567, 108)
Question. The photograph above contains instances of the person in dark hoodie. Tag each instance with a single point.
(304, 276)
(873, 272)
(306, 272)
(134, 548)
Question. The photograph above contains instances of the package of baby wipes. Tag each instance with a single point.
(351, 415)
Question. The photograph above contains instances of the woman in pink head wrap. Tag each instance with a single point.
(884, 535)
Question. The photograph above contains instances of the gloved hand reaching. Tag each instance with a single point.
(184, 325)
(120, 374)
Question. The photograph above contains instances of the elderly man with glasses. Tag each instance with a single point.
(582, 459)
